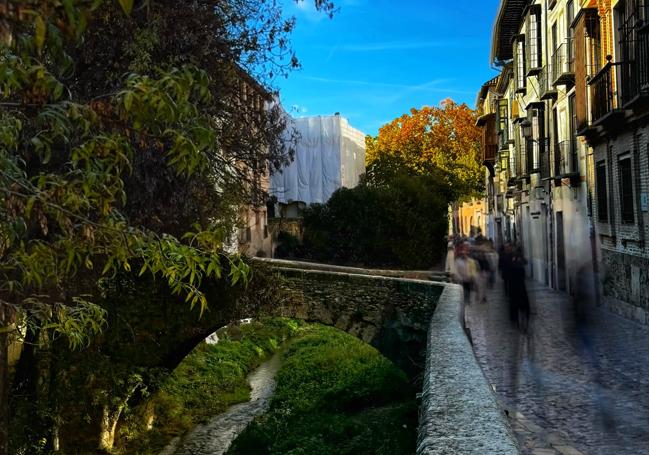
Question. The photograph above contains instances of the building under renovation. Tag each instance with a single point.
(329, 154)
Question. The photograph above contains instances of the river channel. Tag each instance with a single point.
(216, 436)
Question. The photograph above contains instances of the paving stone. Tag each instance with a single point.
(588, 387)
(544, 452)
(567, 450)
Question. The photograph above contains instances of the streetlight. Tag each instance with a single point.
(526, 128)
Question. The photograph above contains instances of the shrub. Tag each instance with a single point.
(335, 394)
(398, 222)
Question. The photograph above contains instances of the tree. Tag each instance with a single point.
(105, 106)
(395, 217)
(443, 138)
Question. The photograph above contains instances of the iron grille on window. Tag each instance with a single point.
(602, 194)
(626, 190)
(634, 48)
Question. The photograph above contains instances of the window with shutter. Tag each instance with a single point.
(626, 189)
(602, 193)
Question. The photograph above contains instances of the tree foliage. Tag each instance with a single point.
(443, 137)
(126, 144)
(394, 217)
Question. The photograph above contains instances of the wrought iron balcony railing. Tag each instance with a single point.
(604, 96)
(546, 88)
(535, 153)
(634, 69)
(566, 158)
(562, 69)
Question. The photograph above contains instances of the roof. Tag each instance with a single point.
(482, 94)
(507, 25)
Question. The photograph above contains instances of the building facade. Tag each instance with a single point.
(616, 35)
(566, 143)
(329, 155)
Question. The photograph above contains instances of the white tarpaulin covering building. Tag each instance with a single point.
(330, 154)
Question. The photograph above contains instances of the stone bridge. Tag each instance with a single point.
(379, 307)
(413, 320)
(410, 317)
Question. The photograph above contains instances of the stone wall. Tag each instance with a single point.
(626, 278)
(459, 413)
(415, 323)
(391, 314)
(624, 246)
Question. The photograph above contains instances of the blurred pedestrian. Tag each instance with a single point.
(450, 260)
(505, 265)
(479, 254)
(519, 303)
(492, 257)
(466, 270)
(584, 300)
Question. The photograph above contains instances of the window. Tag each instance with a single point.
(570, 15)
(503, 122)
(522, 157)
(520, 63)
(602, 194)
(534, 39)
(536, 142)
(626, 189)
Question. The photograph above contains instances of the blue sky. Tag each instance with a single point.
(378, 58)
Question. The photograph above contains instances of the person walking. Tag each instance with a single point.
(519, 303)
(466, 270)
(479, 254)
(450, 261)
(505, 264)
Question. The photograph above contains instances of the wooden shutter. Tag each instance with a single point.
(581, 103)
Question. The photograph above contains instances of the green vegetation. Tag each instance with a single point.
(335, 394)
(209, 380)
(394, 217)
(126, 151)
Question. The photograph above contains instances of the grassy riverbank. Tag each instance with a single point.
(338, 395)
(209, 380)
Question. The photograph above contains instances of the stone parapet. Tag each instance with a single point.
(459, 412)
(432, 275)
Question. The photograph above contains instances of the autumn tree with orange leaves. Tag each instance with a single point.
(432, 139)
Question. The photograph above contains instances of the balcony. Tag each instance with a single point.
(634, 71)
(534, 156)
(566, 161)
(503, 140)
(544, 160)
(521, 162)
(547, 90)
(605, 98)
(489, 152)
(562, 70)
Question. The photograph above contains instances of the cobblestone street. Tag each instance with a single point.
(566, 394)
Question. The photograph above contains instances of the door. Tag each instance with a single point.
(561, 254)
(546, 253)
(572, 130)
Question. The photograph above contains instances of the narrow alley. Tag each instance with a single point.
(564, 393)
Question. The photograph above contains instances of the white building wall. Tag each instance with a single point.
(329, 154)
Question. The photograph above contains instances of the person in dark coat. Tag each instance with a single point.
(519, 303)
(504, 265)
